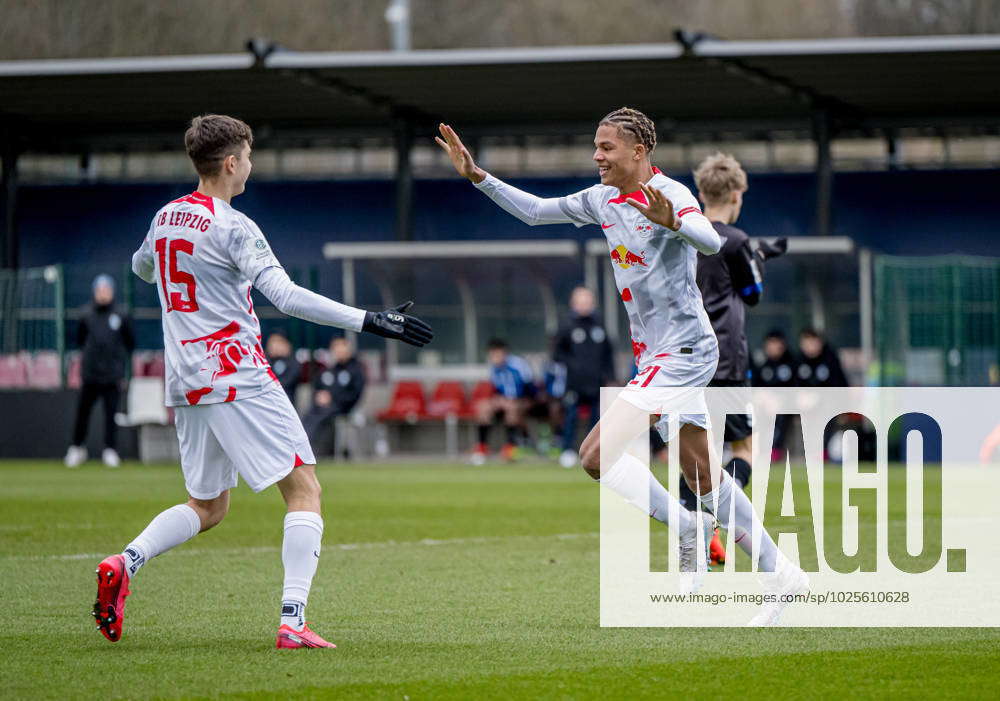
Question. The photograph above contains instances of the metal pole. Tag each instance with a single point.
(404, 180)
(388, 300)
(348, 290)
(824, 172)
(893, 156)
(550, 310)
(59, 292)
(589, 271)
(397, 14)
(611, 298)
(469, 319)
(8, 175)
(867, 310)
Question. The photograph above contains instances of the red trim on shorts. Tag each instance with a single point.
(298, 461)
(656, 369)
(662, 355)
(232, 394)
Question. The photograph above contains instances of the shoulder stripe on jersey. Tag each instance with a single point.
(687, 210)
(198, 198)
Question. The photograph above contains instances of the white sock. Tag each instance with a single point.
(300, 555)
(631, 480)
(745, 521)
(169, 529)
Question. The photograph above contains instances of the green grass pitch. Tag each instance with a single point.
(436, 581)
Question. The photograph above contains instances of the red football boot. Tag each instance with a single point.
(716, 550)
(112, 588)
(289, 638)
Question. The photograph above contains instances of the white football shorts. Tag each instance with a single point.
(260, 438)
(656, 388)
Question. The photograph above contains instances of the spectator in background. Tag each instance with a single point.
(777, 370)
(583, 348)
(512, 380)
(105, 336)
(337, 391)
(282, 359)
(818, 364)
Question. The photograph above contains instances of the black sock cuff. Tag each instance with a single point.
(740, 470)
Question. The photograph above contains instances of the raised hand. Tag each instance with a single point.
(658, 209)
(459, 155)
(395, 323)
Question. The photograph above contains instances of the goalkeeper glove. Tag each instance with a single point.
(773, 249)
(394, 323)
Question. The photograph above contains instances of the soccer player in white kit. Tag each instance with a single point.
(233, 418)
(654, 229)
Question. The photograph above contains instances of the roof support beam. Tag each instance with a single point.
(824, 172)
(778, 84)
(404, 134)
(9, 254)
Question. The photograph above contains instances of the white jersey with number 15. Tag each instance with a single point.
(204, 256)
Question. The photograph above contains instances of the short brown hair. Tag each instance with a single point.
(212, 137)
(717, 176)
(634, 122)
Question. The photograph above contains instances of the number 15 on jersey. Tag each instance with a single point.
(175, 301)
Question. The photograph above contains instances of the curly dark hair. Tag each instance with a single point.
(634, 122)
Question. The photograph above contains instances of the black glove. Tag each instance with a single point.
(773, 249)
(393, 323)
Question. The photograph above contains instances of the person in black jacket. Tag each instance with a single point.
(777, 370)
(106, 338)
(818, 364)
(583, 349)
(337, 391)
(729, 281)
(282, 359)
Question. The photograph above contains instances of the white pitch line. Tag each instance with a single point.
(426, 542)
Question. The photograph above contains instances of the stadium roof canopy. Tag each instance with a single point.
(691, 83)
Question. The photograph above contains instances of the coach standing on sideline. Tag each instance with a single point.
(105, 336)
(583, 348)
(730, 281)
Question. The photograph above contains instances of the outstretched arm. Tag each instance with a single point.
(296, 301)
(299, 302)
(528, 208)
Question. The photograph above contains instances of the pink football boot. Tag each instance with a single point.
(112, 588)
(289, 638)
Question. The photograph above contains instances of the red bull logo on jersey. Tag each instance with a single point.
(625, 259)
(222, 350)
(224, 353)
